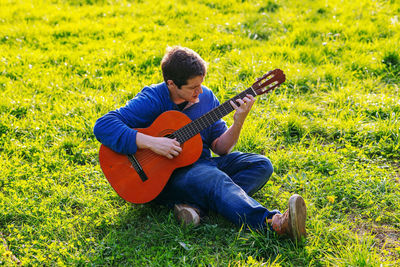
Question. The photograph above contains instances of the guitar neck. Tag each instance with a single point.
(188, 131)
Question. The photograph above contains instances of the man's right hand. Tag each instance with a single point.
(163, 146)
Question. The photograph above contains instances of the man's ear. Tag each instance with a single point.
(170, 83)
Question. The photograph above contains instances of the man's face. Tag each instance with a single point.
(191, 90)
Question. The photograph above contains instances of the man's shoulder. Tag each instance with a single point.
(153, 92)
(208, 95)
(155, 88)
(206, 89)
(208, 92)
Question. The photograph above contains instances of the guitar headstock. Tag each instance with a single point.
(269, 81)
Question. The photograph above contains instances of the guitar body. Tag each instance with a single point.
(124, 178)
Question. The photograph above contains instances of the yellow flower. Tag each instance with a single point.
(331, 199)
(250, 260)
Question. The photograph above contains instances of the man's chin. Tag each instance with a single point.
(194, 101)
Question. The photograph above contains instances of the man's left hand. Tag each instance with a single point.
(242, 107)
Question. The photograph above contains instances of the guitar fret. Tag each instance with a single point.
(220, 113)
(179, 137)
(187, 131)
(203, 123)
(193, 129)
(197, 127)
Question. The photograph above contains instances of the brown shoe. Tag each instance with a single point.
(186, 214)
(293, 221)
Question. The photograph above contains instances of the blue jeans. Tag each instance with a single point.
(225, 185)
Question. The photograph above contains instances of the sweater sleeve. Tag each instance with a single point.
(115, 129)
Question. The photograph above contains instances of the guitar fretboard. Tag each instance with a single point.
(189, 130)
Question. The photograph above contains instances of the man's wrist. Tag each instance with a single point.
(144, 141)
(238, 124)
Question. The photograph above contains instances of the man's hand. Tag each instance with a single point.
(163, 146)
(167, 147)
(242, 109)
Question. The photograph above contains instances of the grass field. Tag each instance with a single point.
(331, 131)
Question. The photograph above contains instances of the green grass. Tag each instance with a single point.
(331, 131)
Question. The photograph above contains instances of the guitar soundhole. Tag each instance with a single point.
(170, 136)
(169, 133)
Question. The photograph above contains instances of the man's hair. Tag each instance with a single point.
(180, 64)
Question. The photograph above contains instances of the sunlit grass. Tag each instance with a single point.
(331, 130)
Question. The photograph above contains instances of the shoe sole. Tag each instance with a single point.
(297, 217)
(186, 215)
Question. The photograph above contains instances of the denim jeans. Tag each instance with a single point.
(224, 185)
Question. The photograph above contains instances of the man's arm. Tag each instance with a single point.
(116, 128)
(225, 143)
(111, 131)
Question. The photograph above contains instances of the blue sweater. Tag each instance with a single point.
(115, 128)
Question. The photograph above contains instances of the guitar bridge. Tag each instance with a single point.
(138, 168)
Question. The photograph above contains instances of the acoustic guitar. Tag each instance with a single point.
(140, 177)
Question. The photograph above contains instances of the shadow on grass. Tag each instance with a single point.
(149, 235)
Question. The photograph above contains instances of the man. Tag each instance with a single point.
(222, 184)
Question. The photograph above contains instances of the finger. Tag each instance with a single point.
(251, 97)
(240, 101)
(249, 102)
(174, 153)
(233, 105)
(246, 100)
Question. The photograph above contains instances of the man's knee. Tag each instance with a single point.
(265, 164)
